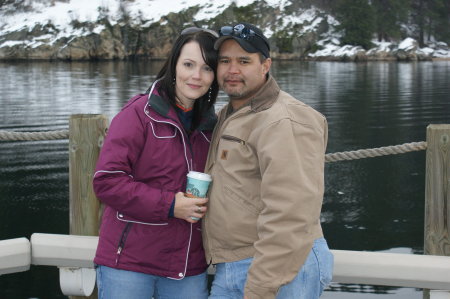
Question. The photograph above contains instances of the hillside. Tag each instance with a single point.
(114, 29)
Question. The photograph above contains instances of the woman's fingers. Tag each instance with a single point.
(200, 210)
(190, 209)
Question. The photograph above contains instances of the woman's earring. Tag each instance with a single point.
(173, 82)
(209, 96)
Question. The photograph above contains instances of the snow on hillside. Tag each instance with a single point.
(62, 14)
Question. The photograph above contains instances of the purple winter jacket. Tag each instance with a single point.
(143, 163)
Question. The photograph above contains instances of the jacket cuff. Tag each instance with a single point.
(253, 291)
(168, 200)
(172, 209)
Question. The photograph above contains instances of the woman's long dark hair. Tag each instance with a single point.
(168, 72)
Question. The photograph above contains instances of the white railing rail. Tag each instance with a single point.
(15, 255)
(392, 269)
(63, 250)
(74, 256)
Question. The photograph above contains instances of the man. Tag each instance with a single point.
(262, 229)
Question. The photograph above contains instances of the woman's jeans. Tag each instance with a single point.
(309, 283)
(121, 284)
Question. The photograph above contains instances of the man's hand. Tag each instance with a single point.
(188, 207)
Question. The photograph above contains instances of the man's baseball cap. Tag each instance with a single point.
(249, 37)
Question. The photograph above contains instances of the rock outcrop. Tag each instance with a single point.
(295, 33)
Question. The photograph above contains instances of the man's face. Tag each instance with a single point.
(240, 74)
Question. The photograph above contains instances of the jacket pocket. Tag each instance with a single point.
(242, 202)
(123, 238)
(124, 218)
(234, 139)
(163, 131)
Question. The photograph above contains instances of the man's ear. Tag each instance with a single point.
(266, 65)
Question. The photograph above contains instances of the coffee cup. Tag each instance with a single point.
(197, 185)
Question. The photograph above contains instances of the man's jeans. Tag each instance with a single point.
(309, 283)
(121, 284)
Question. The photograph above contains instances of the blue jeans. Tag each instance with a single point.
(309, 283)
(119, 284)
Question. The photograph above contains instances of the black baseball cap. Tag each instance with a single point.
(249, 37)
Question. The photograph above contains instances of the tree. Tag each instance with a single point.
(432, 18)
(5, 2)
(357, 21)
(440, 16)
(389, 15)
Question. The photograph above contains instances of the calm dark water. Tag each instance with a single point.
(370, 204)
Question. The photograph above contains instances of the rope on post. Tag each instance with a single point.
(376, 152)
(334, 157)
(33, 136)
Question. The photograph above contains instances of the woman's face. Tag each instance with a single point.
(193, 75)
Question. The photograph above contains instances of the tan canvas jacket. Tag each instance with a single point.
(267, 164)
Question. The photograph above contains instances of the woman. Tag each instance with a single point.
(150, 245)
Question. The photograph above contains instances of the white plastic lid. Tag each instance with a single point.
(199, 176)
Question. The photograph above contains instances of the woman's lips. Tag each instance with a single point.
(194, 86)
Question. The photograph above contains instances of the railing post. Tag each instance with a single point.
(86, 135)
(437, 192)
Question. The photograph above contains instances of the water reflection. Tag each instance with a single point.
(369, 204)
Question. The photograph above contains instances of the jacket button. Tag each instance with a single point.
(180, 274)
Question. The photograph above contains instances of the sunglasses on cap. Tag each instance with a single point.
(240, 31)
(191, 30)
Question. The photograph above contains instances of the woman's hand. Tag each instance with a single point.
(188, 207)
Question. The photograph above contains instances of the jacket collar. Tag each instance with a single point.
(209, 120)
(160, 105)
(266, 96)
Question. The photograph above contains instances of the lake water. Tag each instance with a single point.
(374, 204)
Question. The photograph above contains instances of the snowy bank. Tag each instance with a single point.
(114, 29)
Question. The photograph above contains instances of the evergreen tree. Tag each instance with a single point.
(440, 17)
(4, 2)
(432, 18)
(389, 15)
(421, 17)
(357, 22)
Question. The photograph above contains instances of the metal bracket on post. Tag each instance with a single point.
(73, 255)
(77, 281)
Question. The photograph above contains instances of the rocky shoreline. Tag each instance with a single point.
(309, 35)
(127, 43)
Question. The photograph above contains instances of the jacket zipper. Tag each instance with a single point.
(215, 147)
(184, 133)
(189, 166)
(232, 138)
(123, 238)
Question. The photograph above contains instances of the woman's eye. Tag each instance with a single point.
(207, 68)
(187, 64)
